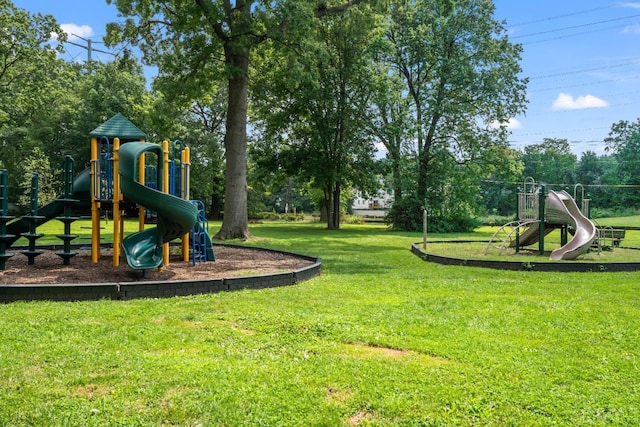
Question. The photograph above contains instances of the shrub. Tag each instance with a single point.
(406, 215)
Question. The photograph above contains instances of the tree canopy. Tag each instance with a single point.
(290, 101)
(312, 117)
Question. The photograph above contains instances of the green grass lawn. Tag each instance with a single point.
(623, 221)
(380, 338)
(629, 250)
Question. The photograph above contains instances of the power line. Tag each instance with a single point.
(573, 27)
(564, 87)
(566, 36)
(566, 15)
(89, 47)
(635, 61)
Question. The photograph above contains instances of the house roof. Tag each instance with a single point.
(118, 126)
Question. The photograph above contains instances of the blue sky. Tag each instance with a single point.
(582, 58)
(583, 61)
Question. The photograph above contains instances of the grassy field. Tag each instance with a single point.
(623, 221)
(629, 250)
(381, 338)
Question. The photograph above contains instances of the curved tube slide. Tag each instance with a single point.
(176, 216)
(561, 208)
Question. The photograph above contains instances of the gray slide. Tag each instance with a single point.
(561, 208)
(531, 234)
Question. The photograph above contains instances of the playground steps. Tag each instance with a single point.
(31, 252)
(4, 238)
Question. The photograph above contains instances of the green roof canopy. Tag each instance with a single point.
(118, 126)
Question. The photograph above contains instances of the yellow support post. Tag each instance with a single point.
(141, 181)
(165, 189)
(185, 165)
(95, 204)
(117, 224)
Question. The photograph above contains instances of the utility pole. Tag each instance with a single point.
(89, 47)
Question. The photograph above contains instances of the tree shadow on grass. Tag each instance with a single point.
(345, 251)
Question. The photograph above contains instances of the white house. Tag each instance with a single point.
(374, 206)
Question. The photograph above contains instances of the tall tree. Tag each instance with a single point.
(195, 43)
(624, 142)
(316, 127)
(388, 118)
(551, 161)
(462, 75)
(32, 81)
(501, 184)
(588, 169)
(104, 90)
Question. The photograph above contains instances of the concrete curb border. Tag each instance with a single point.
(160, 289)
(562, 267)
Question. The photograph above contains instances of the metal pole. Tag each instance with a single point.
(518, 191)
(424, 229)
(185, 163)
(141, 180)
(541, 203)
(117, 236)
(165, 189)
(95, 204)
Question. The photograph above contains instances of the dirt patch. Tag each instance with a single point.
(361, 418)
(366, 351)
(230, 262)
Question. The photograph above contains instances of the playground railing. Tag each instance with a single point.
(527, 206)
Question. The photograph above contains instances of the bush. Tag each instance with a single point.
(461, 224)
(406, 215)
(497, 219)
(274, 216)
(613, 212)
(352, 219)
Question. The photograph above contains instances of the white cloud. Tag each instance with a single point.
(632, 29)
(631, 4)
(565, 101)
(509, 124)
(74, 31)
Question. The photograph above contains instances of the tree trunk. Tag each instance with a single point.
(336, 206)
(423, 165)
(397, 173)
(235, 222)
(216, 207)
(324, 214)
(328, 202)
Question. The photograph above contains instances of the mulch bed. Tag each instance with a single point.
(230, 262)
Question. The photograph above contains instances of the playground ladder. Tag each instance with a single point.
(199, 234)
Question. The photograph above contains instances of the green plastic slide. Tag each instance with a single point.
(176, 216)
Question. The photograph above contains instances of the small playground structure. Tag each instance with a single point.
(126, 174)
(540, 211)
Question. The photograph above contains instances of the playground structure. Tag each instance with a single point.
(540, 211)
(118, 180)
